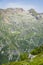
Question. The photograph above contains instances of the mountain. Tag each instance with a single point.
(32, 11)
(35, 14)
(20, 31)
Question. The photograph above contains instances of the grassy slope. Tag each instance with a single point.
(36, 61)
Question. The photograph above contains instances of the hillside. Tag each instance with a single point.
(37, 60)
(20, 32)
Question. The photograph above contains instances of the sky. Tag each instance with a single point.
(25, 4)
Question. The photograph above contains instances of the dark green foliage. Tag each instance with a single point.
(37, 50)
(24, 56)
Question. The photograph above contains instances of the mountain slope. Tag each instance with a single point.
(36, 60)
(20, 31)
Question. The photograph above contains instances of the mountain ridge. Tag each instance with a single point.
(32, 9)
